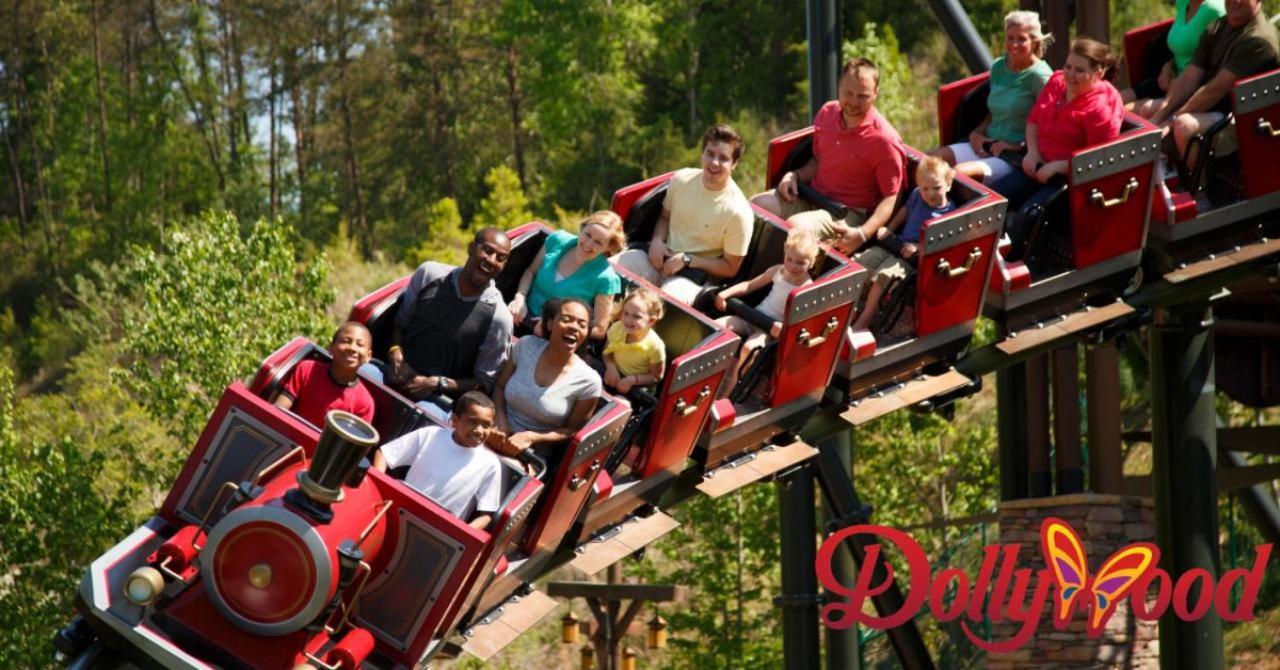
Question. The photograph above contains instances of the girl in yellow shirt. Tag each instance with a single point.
(634, 355)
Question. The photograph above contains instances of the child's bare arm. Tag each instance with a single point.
(763, 279)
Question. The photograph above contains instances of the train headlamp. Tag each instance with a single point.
(144, 586)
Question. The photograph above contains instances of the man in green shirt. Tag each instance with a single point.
(1241, 44)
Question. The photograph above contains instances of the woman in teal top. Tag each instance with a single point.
(1190, 19)
(995, 147)
(574, 266)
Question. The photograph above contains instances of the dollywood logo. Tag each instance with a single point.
(1130, 572)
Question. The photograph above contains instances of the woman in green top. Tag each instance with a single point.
(996, 146)
(1190, 19)
(573, 266)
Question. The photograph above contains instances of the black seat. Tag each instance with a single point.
(1045, 225)
(971, 112)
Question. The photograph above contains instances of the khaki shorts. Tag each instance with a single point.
(637, 261)
(884, 265)
(801, 212)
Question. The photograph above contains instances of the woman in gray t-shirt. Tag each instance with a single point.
(545, 392)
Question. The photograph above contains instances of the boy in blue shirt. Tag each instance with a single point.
(927, 201)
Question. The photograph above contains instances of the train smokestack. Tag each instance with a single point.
(344, 443)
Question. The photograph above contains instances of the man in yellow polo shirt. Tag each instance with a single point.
(704, 230)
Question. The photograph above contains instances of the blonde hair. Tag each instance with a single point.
(1031, 20)
(652, 303)
(612, 224)
(935, 166)
(801, 239)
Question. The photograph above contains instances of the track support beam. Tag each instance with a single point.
(837, 486)
(1184, 445)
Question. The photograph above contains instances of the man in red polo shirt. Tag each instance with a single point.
(858, 160)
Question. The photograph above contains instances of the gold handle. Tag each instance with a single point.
(1264, 128)
(808, 342)
(685, 409)
(1098, 200)
(944, 267)
(576, 482)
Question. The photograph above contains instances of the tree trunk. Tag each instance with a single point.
(230, 103)
(349, 146)
(442, 130)
(517, 121)
(19, 186)
(102, 114)
(210, 143)
(297, 109)
(273, 192)
(691, 75)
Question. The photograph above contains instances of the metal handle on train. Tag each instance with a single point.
(944, 267)
(809, 342)
(1098, 200)
(686, 408)
(576, 482)
(1264, 128)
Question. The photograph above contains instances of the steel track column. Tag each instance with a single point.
(822, 28)
(841, 645)
(959, 29)
(1184, 445)
(796, 509)
(1011, 426)
(800, 647)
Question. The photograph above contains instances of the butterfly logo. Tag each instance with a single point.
(1065, 556)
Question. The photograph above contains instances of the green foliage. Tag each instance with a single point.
(903, 101)
(505, 206)
(210, 302)
(446, 239)
(726, 552)
(54, 518)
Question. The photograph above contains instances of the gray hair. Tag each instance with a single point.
(1030, 20)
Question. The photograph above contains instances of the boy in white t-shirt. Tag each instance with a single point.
(454, 469)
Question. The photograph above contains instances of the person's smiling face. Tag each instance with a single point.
(1081, 76)
(1018, 43)
(570, 326)
(717, 164)
(858, 92)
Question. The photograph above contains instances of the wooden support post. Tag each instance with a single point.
(1068, 460)
(1055, 16)
(1037, 438)
(1102, 388)
(606, 601)
(1093, 19)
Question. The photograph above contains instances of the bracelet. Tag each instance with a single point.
(439, 384)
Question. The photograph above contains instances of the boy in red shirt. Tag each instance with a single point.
(315, 388)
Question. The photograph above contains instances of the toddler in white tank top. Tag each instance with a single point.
(799, 254)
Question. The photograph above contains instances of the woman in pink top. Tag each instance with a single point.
(1079, 107)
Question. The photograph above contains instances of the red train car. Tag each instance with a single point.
(816, 317)
(930, 316)
(1216, 209)
(1085, 238)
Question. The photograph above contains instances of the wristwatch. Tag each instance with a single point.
(687, 258)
